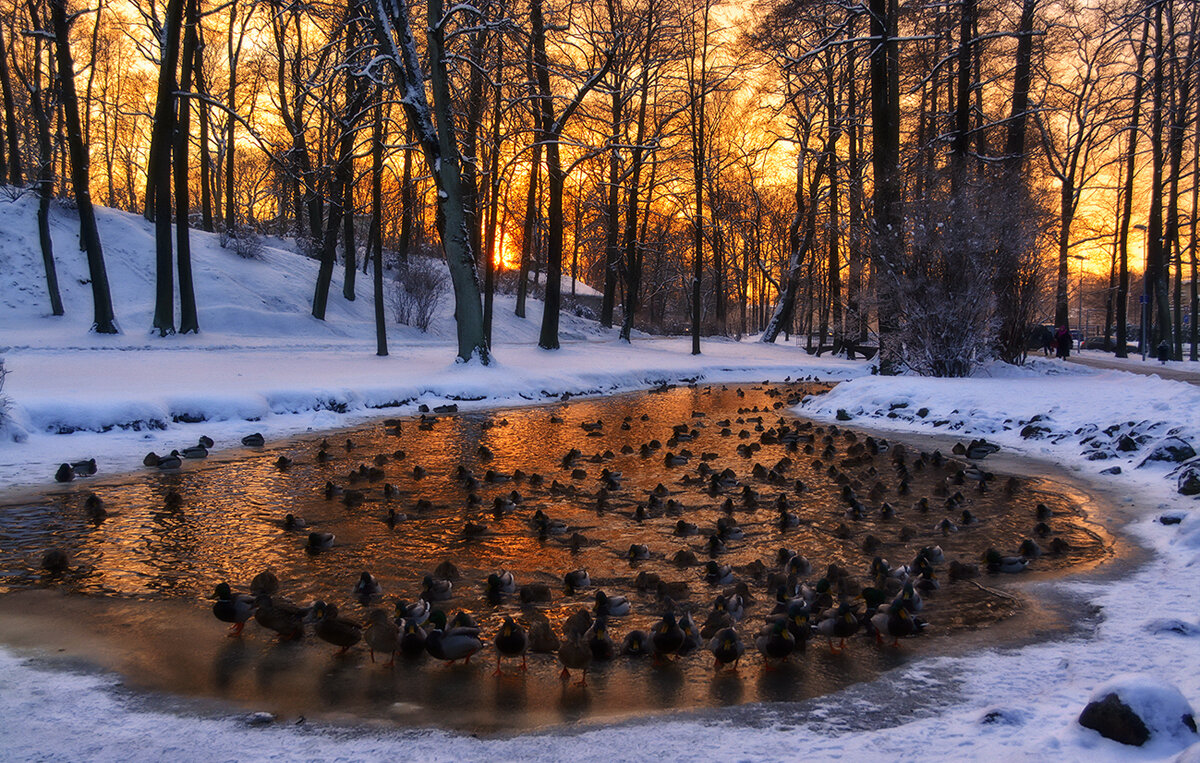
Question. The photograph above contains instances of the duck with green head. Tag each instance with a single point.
(232, 608)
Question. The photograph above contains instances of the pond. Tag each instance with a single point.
(467, 485)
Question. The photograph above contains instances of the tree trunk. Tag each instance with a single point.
(355, 94)
(435, 132)
(698, 126)
(887, 236)
(532, 209)
(633, 270)
(1156, 259)
(408, 200)
(231, 104)
(103, 321)
(206, 207)
(13, 170)
(489, 259)
(160, 169)
(612, 252)
(45, 172)
(376, 236)
(188, 321)
(1127, 198)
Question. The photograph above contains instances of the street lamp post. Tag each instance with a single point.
(1143, 300)
(1079, 315)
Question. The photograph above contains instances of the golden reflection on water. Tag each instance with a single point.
(229, 527)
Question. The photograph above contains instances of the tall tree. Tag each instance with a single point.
(188, 320)
(556, 174)
(38, 98)
(434, 129)
(10, 173)
(103, 320)
(159, 169)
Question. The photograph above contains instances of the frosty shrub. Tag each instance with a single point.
(244, 241)
(417, 290)
(946, 297)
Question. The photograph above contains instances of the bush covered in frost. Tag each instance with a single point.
(417, 290)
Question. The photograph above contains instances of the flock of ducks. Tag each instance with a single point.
(798, 613)
(881, 602)
(797, 601)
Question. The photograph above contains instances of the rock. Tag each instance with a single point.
(842, 415)
(258, 719)
(1034, 432)
(1126, 444)
(1172, 626)
(1170, 519)
(1115, 720)
(1174, 450)
(1189, 480)
(1112, 470)
(1133, 709)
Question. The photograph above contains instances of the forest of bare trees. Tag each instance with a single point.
(931, 180)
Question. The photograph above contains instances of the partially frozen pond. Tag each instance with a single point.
(135, 598)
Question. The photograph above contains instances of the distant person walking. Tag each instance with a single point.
(1062, 341)
(1164, 352)
(1047, 341)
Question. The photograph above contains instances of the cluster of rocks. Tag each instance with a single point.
(1142, 443)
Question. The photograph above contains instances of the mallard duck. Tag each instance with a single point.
(775, 642)
(93, 506)
(418, 612)
(666, 637)
(542, 638)
(636, 644)
(170, 461)
(638, 552)
(319, 541)
(336, 630)
(412, 639)
(535, 592)
(691, 635)
(85, 468)
(728, 530)
(896, 622)
(730, 605)
(717, 574)
(194, 451)
(366, 587)
(500, 584)
(64, 474)
(206, 441)
(726, 647)
(575, 580)
(436, 589)
(292, 522)
(598, 640)
(283, 463)
(55, 562)
(684, 528)
(451, 644)
(799, 622)
(842, 624)
(575, 654)
(611, 606)
(382, 635)
(510, 641)
(1006, 564)
(232, 608)
(264, 582)
(280, 615)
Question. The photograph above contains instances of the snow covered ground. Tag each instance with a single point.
(262, 364)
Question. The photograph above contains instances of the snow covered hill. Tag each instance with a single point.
(242, 302)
